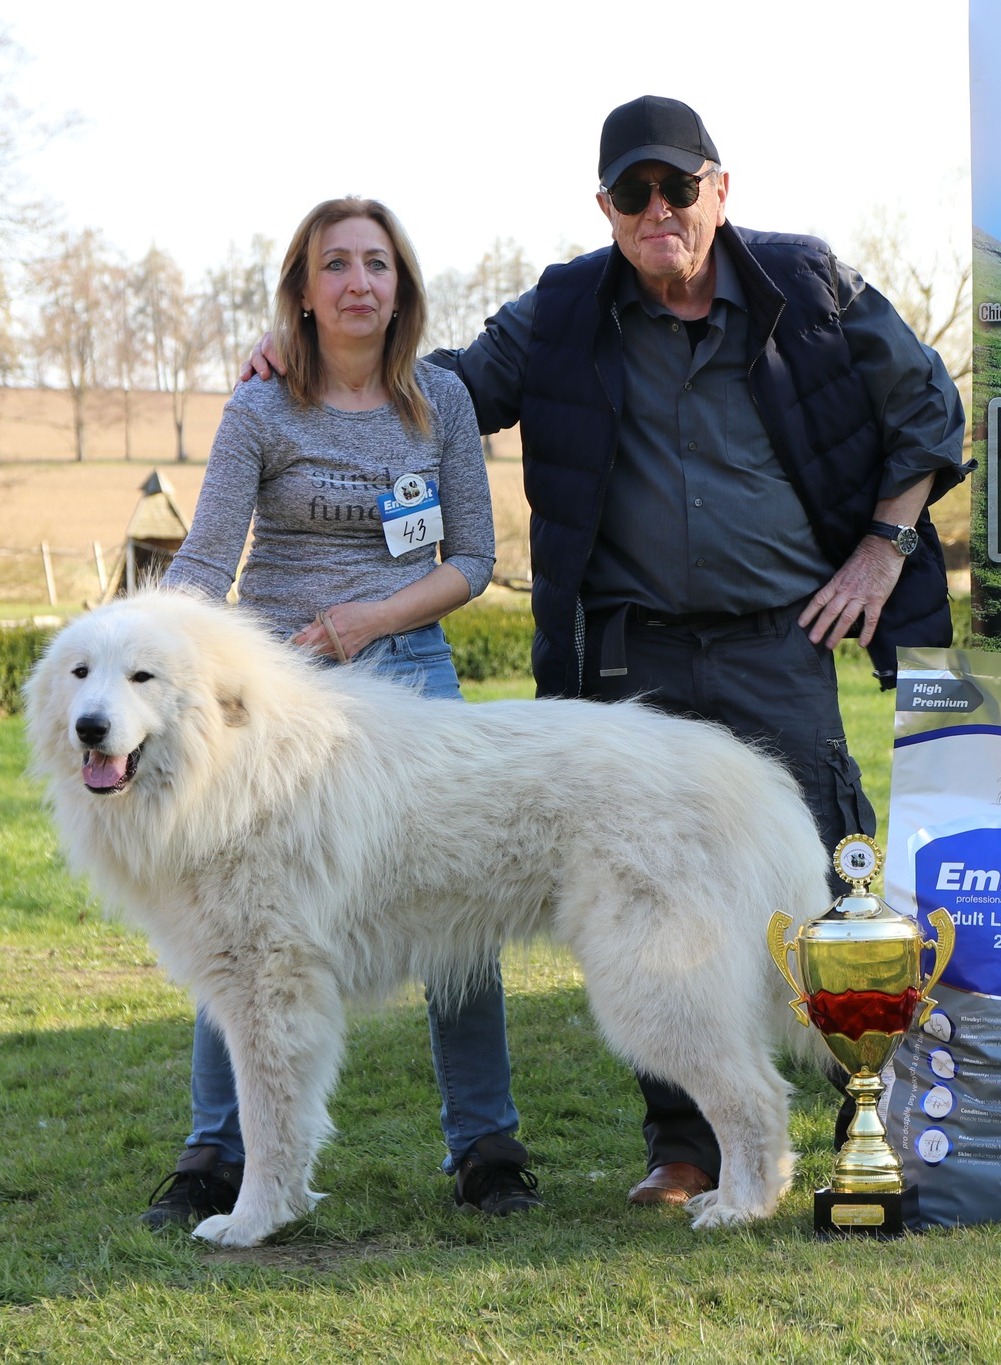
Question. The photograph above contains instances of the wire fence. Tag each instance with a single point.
(56, 576)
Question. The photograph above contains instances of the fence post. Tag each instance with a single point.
(102, 577)
(50, 581)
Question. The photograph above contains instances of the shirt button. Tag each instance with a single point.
(700, 563)
(693, 445)
(674, 326)
(698, 502)
(688, 386)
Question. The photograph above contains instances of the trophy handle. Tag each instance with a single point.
(779, 949)
(942, 921)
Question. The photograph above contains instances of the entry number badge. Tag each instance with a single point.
(411, 515)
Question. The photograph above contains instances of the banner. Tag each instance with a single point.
(985, 128)
(943, 1104)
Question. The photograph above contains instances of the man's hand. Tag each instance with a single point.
(859, 588)
(263, 360)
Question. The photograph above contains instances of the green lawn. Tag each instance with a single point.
(93, 1103)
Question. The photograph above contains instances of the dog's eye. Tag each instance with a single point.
(80, 671)
(141, 677)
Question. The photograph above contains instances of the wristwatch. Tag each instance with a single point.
(904, 539)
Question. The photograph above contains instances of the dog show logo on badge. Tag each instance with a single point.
(408, 489)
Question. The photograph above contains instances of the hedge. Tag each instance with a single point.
(488, 641)
(20, 646)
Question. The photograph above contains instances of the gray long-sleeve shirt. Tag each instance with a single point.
(310, 478)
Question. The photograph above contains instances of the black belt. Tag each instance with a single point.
(612, 624)
(693, 620)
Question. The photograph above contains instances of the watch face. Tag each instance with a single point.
(907, 540)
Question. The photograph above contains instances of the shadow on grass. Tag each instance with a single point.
(92, 1118)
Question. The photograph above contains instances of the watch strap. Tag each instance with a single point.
(903, 538)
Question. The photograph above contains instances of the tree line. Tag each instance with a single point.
(78, 316)
(74, 314)
(94, 321)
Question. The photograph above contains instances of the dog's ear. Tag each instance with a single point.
(234, 713)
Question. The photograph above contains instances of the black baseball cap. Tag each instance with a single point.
(653, 128)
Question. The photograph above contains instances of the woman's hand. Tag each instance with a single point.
(356, 624)
(352, 625)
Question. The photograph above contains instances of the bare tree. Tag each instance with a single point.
(176, 330)
(127, 343)
(502, 274)
(158, 283)
(932, 296)
(458, 304)
(22, 135)
(452, 321)
(9, 357)
(238, 304)
(72, 284)
(23, 213)
(568, 251)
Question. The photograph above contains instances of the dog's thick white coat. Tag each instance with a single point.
(294, 836)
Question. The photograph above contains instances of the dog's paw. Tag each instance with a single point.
(231, 1230)
(245, 1228)
(708, 1212)
(699, 1203)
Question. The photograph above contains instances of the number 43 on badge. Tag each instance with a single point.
(411, 515)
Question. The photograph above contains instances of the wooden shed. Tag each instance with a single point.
(152, 538)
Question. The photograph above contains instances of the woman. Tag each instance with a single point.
(353, 468)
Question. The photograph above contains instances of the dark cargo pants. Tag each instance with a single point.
(760, 675)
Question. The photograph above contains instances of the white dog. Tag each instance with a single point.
(290, 836)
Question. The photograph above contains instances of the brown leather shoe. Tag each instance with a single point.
(674, 1183)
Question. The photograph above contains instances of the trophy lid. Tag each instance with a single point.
(860, 913)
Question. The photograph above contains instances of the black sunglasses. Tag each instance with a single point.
(679, 189)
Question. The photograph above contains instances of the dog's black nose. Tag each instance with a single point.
(91, 730)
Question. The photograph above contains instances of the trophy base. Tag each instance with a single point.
(881, 1215)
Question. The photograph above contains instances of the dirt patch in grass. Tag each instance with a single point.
(317, 1256)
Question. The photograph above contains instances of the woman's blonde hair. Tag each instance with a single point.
(296, 334)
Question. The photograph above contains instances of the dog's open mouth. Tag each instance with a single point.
(104, 773)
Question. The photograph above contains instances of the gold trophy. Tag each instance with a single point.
(860, 964)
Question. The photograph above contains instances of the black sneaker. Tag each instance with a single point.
(493, 1178)
(201, 1185)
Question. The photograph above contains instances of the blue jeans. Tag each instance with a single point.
(468, 1043)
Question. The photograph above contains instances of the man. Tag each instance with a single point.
(729, 444)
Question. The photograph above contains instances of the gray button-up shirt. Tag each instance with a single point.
(698, 515)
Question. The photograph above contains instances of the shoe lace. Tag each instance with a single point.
(174, 1186)
(501, 1177)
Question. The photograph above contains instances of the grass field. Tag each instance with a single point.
(94, 1047)
(47, 496)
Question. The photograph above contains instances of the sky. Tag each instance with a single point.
(985, 46)
(203, 123)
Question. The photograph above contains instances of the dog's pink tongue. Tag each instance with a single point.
(104, 770)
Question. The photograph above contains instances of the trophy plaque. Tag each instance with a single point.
(860, 967)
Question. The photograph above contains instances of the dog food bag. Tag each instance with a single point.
(943, 1104)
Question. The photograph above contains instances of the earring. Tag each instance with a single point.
(397, 313)
(306, 314)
